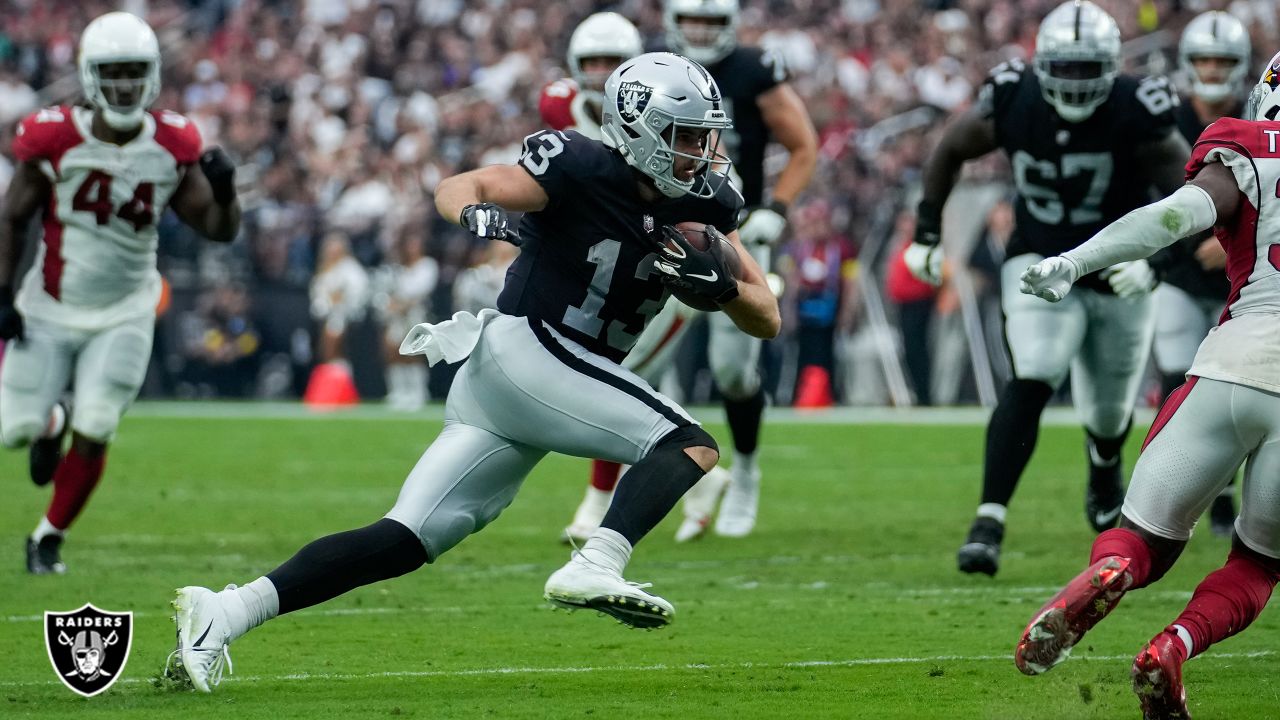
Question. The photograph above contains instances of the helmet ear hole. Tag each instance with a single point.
(1271, 114)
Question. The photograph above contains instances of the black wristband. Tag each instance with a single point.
(778, 206)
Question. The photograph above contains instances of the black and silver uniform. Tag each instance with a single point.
(586, 260)
(743, 76)
(1074, 179)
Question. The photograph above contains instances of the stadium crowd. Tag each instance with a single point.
(343, 115)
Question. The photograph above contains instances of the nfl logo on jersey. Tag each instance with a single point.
(633, 97)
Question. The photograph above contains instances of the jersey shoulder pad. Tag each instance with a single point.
(1235, 143)
(1151, 100)
(555, 103)
(177, 134)
(764, 67)
(45, 135)
(1238, 137)
(1002, 85)
(564, 161)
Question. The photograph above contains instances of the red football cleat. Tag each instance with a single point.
(1157, 679)
(1060, 624)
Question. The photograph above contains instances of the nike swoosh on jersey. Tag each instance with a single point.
(709, 278)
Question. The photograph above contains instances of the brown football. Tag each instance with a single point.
(696, 234)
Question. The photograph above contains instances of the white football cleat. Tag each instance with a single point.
(587, 518)
(700, 502)
(583, 585)
(203, 635)
(737, 516)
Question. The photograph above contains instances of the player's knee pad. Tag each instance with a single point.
(20, 433)
(737, 381)
(1107, 420)
(687, 437)
(96, 421)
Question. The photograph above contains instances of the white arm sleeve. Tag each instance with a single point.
(1142, 232)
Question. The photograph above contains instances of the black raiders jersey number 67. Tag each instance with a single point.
(1041, 181)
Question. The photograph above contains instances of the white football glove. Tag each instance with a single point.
(1130, 279)
(925, 262)
(763, 226)
(1050, 279)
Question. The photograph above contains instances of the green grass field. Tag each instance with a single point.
(845, 602)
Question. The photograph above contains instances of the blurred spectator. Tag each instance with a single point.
(338, 294)
(400, 297)
(915, 301)
(821, 270)
(478, 286)
(222, 346)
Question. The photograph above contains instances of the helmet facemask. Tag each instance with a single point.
(687, 151)
(122, 90)
(1075, 87)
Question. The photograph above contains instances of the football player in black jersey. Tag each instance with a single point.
(763, 105)
(1087, 145)
(542, 371)
(1214, 54)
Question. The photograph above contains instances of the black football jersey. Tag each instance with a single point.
(586, 263)
(743, 75)
(1181, 269)
(1073, 179)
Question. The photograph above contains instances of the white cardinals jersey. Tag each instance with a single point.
(97, 262)
(563, 107)
(1245, 347)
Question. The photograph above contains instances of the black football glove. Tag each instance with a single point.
(10, 319)
(486, 220)
(221, 172)
(702, 272)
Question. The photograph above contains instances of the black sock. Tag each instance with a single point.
(1169, 383)
(1105, 452)
(334, 564)
(744, 417)
(648, 491)
(1011, 437)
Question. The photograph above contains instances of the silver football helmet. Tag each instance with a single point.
(1215, 35)
(651, 98)
(705, 44)
(607, 35)
(1077, 58)
(1264, 101)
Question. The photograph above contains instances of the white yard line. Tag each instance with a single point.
(660, 667)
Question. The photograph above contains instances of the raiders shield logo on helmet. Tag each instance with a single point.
(633, 97)
(88, 647)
